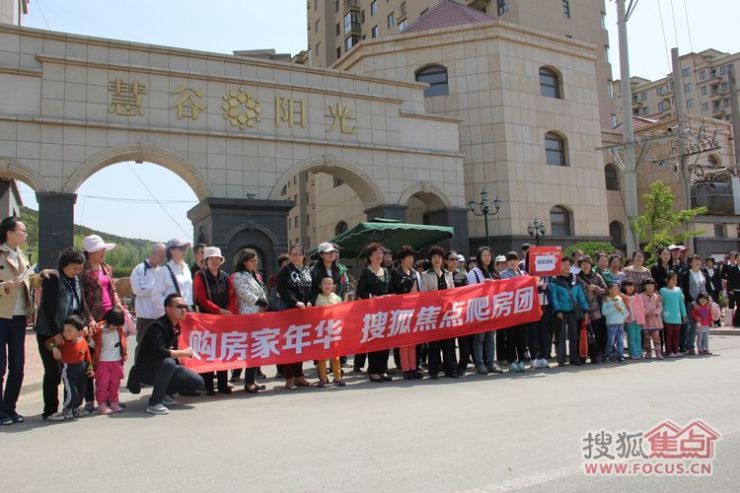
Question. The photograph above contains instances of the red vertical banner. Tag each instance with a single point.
(545, 260)
(220, 342)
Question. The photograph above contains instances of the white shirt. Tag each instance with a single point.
(146, 286)
(183, 278)
(109, 351)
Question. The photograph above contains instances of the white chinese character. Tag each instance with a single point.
(233, 345)
(264, 343)
(400, 322)
(374, 326)
(524, 300)
(297, 337)
(454, 316)
(479, 310)
(502, 304)
(328, 332)
(427, 318)
(203, 345)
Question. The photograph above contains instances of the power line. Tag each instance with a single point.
(675, 26)
(665, 40)
(123, 199)
(41, 11)
(156, 200)
(688, 25)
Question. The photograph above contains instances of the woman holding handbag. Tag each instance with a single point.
(594, 288)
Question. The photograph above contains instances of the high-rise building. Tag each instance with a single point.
(335, 27)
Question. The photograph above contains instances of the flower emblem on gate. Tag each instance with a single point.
(242, 109)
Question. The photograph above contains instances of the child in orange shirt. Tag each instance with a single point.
(74, 354)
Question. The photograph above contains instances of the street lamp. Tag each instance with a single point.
(484, 209)
(536, 229)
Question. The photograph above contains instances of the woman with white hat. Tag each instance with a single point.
(99, 291)
(176, 277)
(214, 293)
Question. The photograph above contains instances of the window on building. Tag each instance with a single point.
(689, 102)
(403, 25)
(613, 120)
(662, 106)
(337, 29)
(610, 88)
(352, 22)
(616, 232)
(686, 71)
(603, 20)
(502, 6)
(724, 70)
(339, 52)
(719, 231)
(436, 77)
(726, 102)
(660, 90)
(549, 83)
(645, 110)
(402, 9)
(560, 221)
(702, 75)
(687, 88)
(611, 176)
(703, 90)
(606, 53)
(318, 45)
(340, 228)
(705, 106)
(316, 4)
(643, 95)
(391, 20)
(350, 42)
(725, 87)
(336, 5)
(316, 27)
(555, 149)
(566, 8)
(374, 32)
(373, 7)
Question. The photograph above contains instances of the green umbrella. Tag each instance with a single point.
(391, 234)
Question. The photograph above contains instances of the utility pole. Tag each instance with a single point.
(679, 105)
(628, 135)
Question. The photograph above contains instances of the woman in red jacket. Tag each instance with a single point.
(214, 293)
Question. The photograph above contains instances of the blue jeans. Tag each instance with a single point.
(688, 332)
(12, 357)
(614, 334)
(484, 348)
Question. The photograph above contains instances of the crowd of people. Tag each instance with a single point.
(589, 311)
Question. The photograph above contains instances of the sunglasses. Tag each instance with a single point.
(181, 307)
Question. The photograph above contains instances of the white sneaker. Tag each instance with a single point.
(157, 409)
(55, 417)
(169, 400)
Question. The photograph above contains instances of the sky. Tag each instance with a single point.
(128, 209)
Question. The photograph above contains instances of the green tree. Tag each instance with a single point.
(658, 225)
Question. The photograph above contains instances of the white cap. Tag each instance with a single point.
(460, 257)
(177, 243)
(212, 251)
(500, 258)
(95, 243)
(674, 247)
(326, 247)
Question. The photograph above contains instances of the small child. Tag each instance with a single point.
(674, 314)
(74, 354)
(701, 311)
(110, 352)
(615, 312)
(327, 296)
(653, 318)
(635, 320)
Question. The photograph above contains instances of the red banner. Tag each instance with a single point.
(545, 260)
(221, 342)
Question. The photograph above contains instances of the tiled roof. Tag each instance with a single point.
(638, 122)
(447, 13)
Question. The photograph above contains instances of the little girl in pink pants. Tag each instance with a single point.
(110, 354)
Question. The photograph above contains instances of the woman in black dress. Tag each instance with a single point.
(374, 281)
(403, 281)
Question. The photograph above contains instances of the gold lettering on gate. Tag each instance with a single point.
(341, 116)
(187, 105)
(290, 111)
(241, 109)
(126, 97)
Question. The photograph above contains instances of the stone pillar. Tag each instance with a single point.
(56, 225)
(397, 212)
(458, 219)
(232, 224)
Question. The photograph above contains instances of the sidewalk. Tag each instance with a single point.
(34, 370)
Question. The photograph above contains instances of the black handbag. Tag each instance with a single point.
(577, 310)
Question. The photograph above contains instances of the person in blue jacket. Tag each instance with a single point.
(564, 293)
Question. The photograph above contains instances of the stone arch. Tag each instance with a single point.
(13, 169)
(256, 236)
(429, 194)
(352, 175)
(150, 153)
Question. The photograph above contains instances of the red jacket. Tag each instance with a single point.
(73, 352)
(702, 314)
(98, 339)
(200, 297)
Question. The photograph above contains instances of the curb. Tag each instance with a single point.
(724, 331)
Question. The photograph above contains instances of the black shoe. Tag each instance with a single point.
(224, 390)
(434, 376)
(387, 377)
(279, 375)
(17, 418)
(261, 375)
(252, 390)
(409, 375)
(210, 392)
(461, 372)
(376, 379)
(451, 375)
(5, 420)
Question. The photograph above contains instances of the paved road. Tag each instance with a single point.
(484, 434)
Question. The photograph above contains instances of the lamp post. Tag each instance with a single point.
(485, 209)
(536, 229)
